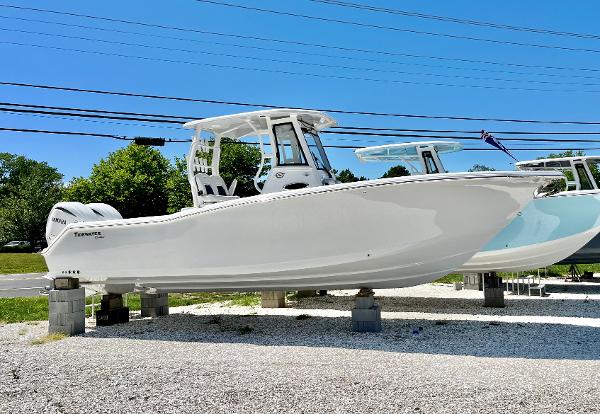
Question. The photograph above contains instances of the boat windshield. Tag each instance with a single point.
(289, 151)
(594, 169)
(316, 150)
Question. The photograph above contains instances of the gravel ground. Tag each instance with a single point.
(536, 355)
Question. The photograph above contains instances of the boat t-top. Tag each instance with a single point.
(305, 231)
(563, 217)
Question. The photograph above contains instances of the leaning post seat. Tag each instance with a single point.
(212, 188)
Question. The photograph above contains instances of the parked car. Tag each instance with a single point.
(17, 243)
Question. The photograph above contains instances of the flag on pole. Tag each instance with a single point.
(490, 139)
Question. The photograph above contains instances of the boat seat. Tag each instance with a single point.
(212, 188)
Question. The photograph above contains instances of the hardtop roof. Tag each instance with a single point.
(250, 123)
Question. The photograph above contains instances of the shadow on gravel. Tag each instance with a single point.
(574, 288)
(470, 338)
(514, 306)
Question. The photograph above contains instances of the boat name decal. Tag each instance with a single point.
(94, 234)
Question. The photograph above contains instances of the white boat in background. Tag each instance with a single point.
(305, 231)
(552, 227)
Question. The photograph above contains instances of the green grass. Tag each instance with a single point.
(14, 310)
(555, 271)
(48, 338)
(23, 309)
(22, 263)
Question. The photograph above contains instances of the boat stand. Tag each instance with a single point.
(66, 306)
(112, 310)
(366, 315)
(493, 291)
(272, 299)
(154, 304)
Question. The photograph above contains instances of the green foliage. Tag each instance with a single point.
(568, 153)
(239, 162)
(347, 176)
(178, 187)
(28, 190)
(12, 263)
(396, 171)
(132, 180)
(481, 167)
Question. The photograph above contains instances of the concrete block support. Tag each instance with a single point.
(366, 315)
(272, 298)
(154, 304)
(493, 292)
(66, 309)
(112, 310)
(472, 281)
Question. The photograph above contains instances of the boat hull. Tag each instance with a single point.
(548, 230)
(382, 233)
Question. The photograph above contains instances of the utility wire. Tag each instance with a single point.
(397, 29)
(270, 106)
(352, 58)
(296, 62)
(66, 115)
(295, 73)
(160, 118)
(125, 138)
(267, 39)
(493, 25)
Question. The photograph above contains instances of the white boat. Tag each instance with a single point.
(552, 227)
(306, 231)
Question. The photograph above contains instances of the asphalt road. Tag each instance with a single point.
(22, 285)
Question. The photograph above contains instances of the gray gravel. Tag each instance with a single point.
(535, 356)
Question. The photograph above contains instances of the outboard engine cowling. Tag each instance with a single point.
(105, 211)
(65, 213)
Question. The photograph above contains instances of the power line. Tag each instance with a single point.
(295, 73)
(178, 119)
(457, 20)
(295, 62)
(397, 29)
(273, 40)
(270, 106)
(125, 138)
(339, 131)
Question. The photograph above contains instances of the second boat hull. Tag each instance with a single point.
(548, 230)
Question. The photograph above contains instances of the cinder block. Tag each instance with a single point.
(366, 315)
(111, 301)
(273, 299)
(111, 317)
(66, 283)
(364, 302)
(66, 295)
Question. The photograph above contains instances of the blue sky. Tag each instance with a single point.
(74, 156)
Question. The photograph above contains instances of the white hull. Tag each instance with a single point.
(383, 233)
(528, 257)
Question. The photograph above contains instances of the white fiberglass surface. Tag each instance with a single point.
(407, 151)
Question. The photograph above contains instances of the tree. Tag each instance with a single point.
(396, 171)
(178, 187)
(28, 190)
(347, 176)
(238, 162)
(132, 180)
(481, 167)
(568, 153)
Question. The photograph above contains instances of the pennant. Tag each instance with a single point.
(493, 141)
